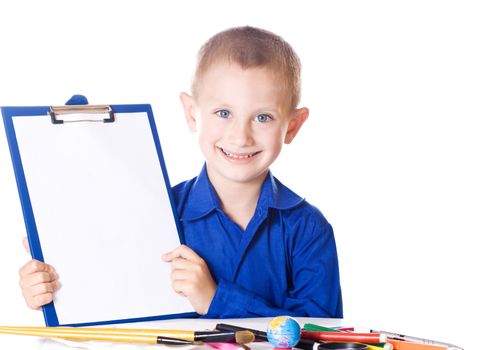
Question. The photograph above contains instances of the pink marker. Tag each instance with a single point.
(227, 346)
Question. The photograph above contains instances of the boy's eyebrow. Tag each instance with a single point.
(269, 110)
(216, 105)
(273, 107)
(264, 109)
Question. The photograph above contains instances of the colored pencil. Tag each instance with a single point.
(397, 336)
(315, 327)
(132, 335)
(407, 345)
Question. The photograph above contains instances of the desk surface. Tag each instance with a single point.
(33, 343)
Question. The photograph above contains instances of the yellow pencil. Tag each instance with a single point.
(132, 335)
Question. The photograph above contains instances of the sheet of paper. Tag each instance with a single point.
(103, 216)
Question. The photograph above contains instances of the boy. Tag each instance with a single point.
(252, 246)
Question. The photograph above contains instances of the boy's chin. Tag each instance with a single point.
(241, 176)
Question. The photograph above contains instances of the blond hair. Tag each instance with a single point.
(252, 47)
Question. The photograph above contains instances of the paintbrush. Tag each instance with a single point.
(133, 335)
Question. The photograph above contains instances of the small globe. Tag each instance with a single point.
(283, 332)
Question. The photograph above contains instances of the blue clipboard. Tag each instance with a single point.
(50, 147)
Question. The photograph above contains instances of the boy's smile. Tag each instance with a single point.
(238, 157)
(243, 119)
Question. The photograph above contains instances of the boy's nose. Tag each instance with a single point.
(240, 133)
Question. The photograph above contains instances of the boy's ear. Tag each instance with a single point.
(297, 120)
(189, 111)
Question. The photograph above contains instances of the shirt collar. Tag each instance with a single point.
(203, 199)
(277, 196)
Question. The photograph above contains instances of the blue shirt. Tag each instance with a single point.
(284, 263)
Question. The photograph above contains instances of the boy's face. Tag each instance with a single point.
(243, 119)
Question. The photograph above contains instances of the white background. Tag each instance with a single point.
(398, 152)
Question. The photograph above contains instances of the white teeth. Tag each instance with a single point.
(238, 156)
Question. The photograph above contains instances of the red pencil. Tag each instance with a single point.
(372, 338)
(407, 345)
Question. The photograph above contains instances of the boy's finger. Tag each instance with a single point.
(43, 288)
(173, 254)
(182, 275)
(40, 300)
(33, 266)
(51, 271)
(35, 278)
(182, 251)
(182, 264)
(166, 257)
(170, 255)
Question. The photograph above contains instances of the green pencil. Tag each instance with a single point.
(317, 328)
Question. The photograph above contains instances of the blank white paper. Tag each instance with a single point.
(103, 216)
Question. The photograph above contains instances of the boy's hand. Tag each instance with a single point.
(191, 277)
(38, 281)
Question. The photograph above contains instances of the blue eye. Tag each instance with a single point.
(263, 118)
(223, 113)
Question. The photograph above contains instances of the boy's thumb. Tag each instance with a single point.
(166, 257)
(25, 244)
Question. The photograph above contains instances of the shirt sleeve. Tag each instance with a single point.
(315, 286)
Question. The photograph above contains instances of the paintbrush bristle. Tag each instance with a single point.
(244, 337)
